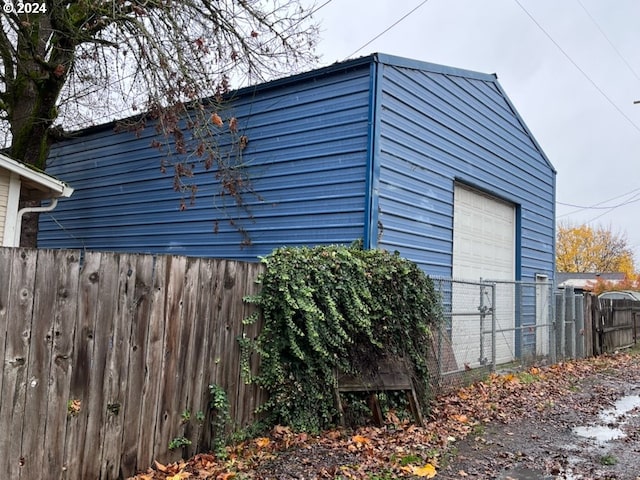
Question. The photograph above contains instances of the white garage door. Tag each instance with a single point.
(483, 247)
(483, 236)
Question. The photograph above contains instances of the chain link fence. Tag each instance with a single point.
(570, 326)
(491, 325)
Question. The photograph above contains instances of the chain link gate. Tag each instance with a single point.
(490, 324)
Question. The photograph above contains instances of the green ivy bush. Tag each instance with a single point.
(335, 307)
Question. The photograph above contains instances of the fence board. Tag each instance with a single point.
(141, 303)
(187, 361)
(214, 340)
(201, 354)
(38, 362)
(15, 373)
(250, 332)
(153, 364)
(190, 354)
(5, 289)
(104, 351)
(590, 315)
(64, 315)
(117, 367)
(168, 415)
(81, 375)
(38, 365)
(33, 430)
(106, 311)
(227, 336)
(5, 410)
(235, 331)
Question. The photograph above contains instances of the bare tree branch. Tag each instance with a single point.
(84, 62)
(142, 52)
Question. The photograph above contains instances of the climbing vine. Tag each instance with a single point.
(336, 307)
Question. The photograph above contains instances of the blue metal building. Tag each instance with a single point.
(431, 161)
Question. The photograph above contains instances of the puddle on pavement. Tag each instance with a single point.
(523, 474)
(607, 432)
(621, 407)
(526, 474)
(599, 433)
(608, 429)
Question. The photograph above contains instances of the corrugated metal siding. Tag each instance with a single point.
(309, 141)
(307, 161)
(436, 128)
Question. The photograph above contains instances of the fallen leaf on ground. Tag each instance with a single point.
(428, 471)
(262, 442)
(368, 451)
(179, 476)
(360, 440)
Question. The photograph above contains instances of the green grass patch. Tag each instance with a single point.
(608, 460)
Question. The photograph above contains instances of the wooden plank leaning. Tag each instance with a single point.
(392, 375)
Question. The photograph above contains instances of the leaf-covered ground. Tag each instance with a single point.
(509, 426)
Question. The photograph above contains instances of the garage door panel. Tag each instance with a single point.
(483, 247)
(483, 236)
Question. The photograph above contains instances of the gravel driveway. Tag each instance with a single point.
(591, 433)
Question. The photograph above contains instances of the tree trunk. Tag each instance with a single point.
(32, 89)
(31, 116)
(29, 230)
(33, 85)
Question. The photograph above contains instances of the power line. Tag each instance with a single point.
(609, 208)
(584, 74)
(609, 41)
(633, 199)
(597, 206)
(387, 29)
(316, 9)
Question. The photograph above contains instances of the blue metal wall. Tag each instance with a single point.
(437, 125)
(307, 161)
(369, 149)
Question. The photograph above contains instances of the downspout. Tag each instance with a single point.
(66, 192)
(23, 211)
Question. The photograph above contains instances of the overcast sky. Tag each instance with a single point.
(574, 85)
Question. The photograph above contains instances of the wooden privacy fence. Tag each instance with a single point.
(616, 324)
(105, 353)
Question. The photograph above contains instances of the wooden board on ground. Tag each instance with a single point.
(392, 375)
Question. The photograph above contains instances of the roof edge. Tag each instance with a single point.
(432, 67)
(250, 90)
(365, 61)
(515, 112)
(57, 187)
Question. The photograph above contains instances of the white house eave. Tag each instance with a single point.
(56, 187)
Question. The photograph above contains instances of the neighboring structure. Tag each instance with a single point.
(431, 161)
(17, 181)
(586, 281)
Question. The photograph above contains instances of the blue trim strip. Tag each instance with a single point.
(373, 159)
(552, 273)
(518, 239)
